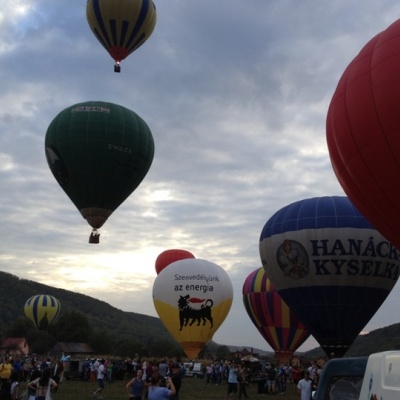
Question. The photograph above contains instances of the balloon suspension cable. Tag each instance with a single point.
(94, 236)
(117, 67)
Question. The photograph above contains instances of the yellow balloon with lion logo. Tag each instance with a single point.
(192, 298)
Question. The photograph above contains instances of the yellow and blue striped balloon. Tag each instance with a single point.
(42, 309)
(121, 26)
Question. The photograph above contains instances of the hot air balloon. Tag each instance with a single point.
(121, 26)
(362, 131)
(272, 317)
(169, 256)
(42, 309)
(99, 153)
(192, 298)
(330, 266)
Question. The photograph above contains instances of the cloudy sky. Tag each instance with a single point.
(235, 93)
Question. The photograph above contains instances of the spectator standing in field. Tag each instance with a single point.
(209, 372)
(271, 379)
(296, 374)
(144, 368)
(93, 370)
(163, 368)
(149, 370)
(232, 380)
(282, 378)
(57, 370)
(86, 370)
(17, 366)
(136, 386)
(289, 370)
(176, 380)
(224, 372)
(14, 379)
(35, 374)
(135, 366)
(158, 392)
(129, 369)
(42, 384)
(101, 371)
(219, 373)
(242, 381)
(314, 381)
(5, 370)
(26, 369)
(304, 387)
(110, 367)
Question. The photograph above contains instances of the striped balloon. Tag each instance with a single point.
(121, 26)
(270, 314)
(42, 309)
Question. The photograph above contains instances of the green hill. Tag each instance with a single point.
(101, 316)
(387, 338)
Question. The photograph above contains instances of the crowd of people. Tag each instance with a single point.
(275, 380)
(154, 381)
(151, 380)
(41, 375)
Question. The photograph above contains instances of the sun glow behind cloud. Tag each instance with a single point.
(101, 275)
(18, 14)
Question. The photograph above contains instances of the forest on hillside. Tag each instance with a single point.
(82, 319)
(109, 330)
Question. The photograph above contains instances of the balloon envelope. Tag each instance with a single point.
(272, 317)
(192, 298)
(362, 131)
(331, 267)
(99, 153)
(42, 309)
(169, 256)
(121, 26)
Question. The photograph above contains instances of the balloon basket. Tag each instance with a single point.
(94, 237)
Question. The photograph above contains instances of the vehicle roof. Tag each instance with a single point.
(340, 367)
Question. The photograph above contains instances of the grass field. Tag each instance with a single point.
(192, 389)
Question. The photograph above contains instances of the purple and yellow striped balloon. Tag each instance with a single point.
(272, 317)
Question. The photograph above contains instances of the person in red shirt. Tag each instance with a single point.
(296, 374)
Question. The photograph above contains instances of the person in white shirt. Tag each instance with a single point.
(101, 371)
(304, 387)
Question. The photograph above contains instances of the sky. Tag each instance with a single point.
(235, 93)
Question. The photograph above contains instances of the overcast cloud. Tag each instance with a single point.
(235, 93)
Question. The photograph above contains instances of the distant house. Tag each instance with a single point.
(75, 350)
(239, 354)
(14, 346)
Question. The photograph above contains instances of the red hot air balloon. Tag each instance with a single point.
(363, 128)
(169, 256)
(331, 267)
(272, 317)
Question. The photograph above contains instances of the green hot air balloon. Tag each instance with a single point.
(99, 153)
